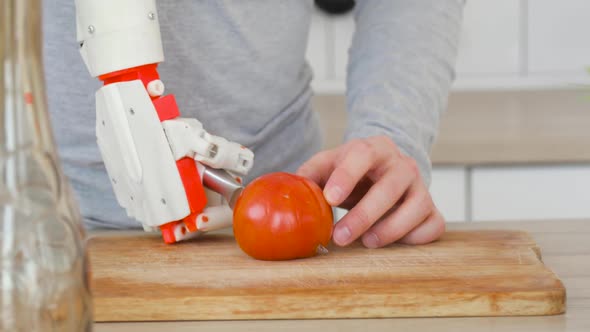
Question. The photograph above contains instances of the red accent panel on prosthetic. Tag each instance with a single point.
(168, 232)
(195, 192)
(145, 73)
(166, 107)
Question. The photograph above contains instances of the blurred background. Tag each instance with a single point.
(515, 141)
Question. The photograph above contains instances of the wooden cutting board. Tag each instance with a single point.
(136, 277)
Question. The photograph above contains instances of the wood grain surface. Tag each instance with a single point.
(468, 273)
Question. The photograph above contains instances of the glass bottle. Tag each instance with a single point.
(43, 262)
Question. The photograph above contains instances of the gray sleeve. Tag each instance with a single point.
(400, 71)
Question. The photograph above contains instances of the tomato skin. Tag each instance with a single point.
(281, 216)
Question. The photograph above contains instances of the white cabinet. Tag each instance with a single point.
(490, 38)
(529, 193)
(558, 36)
(448, 192)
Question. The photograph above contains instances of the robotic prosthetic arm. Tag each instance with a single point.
(166, 171)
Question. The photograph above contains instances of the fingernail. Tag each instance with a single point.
(370, 240)
(333, 195)
(341, 235)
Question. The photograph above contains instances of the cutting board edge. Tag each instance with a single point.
(481, 305)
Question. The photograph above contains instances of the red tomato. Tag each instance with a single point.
(282, 216)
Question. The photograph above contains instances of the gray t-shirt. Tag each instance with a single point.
(239, 68)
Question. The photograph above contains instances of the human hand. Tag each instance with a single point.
(383, 189)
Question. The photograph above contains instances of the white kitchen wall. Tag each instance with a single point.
(316, 46)
(559, 36)
(505, 44)
(343, 29)
(489, 47)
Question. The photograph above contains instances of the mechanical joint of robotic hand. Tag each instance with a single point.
(187, 138)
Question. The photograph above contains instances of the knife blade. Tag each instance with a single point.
(224, 183)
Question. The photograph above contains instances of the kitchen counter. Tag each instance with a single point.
(497, 128)
(565, 246)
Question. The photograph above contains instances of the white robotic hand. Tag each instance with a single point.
(166, 171)
(187, 138)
